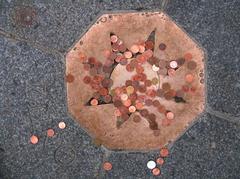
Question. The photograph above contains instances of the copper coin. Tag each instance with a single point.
(162, 46)
(151, 92)
(149, 44)
(142, 89)
(148, 54)
(124, 61)
(180, 93)
(148, 83)
(180, 61)
(152, 117)
(172, 92)
(160, 93)
(50, 132)
(156, 171)
(156, 103)
(164, 152)
(166, 87)
(171, 72)
(134, 49)
(144, 112)
(133, 97)
(107, 166)
(191, 65)
(119, 58)
(139, 105)
(141, 48)
(115, 47)
(103, 91)
(122, 48)
(170, 115)
(117, 103)
(127, 103)
(188, 56)
(107, 98)
(62, 125)
(107, 69)
(129, 68)
(148, 102)
(128, 83)
(139, 69)
(160, 161)
(87, 79)
(94, 102)
(189, 78)
(34, 139)
(135, 84)
(107, 82)
(91, 60)
(168, 96)
(69, 78)
(136, 118)
(113, 38)
(161, 109)
(128, 54)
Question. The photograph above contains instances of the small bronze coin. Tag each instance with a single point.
(149, 45)
(69, 78)
(107, 166)
(50, 132)
(180, 61)
(164, 152)
(86, 67)
(91, 60)
(129, 68)
(96, 95)
(156, 171)
(128, 83)
(148, 102)
(107, 98)
(162, 46)
(113, 56)
(166, 87)
(117, 103)
(34, 139)
(87, 79)
(123, 61)
(144, 112)
(156, 103)
(148, 83)
(191, 65)
(133, 97)
(162, 109)
(136, 118)
(168, 96)
(122, 48)
(152, 117)
(125, 117)
(142, 89)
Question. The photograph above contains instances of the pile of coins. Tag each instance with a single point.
(50, 133)
(152, 165)
(138, 93)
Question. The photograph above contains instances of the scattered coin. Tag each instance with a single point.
(62, 125)
(107, 166)
(160, 161)
(156, 171)
(34, 139)
(151, 164)
(50, 132)
(69, 78)
(164, 152)
(162, 46)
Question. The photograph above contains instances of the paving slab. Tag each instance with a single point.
(215, 25)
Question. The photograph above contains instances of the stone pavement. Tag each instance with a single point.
(33, 94)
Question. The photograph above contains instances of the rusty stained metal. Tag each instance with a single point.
(132, 28)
